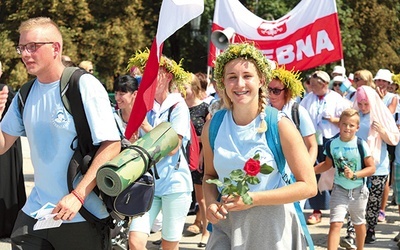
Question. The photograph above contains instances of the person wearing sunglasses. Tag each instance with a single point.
(283, 89)
(337, 83)
(324, 107)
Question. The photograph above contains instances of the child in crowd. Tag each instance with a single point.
(349, 191)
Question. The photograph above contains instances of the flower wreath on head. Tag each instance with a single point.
(396, 80)
(180, 76)
(241, 50)
(290, 80)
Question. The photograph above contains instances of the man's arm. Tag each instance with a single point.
(6, 140)
(69, 205)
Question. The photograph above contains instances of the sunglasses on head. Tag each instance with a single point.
(316, 76)
(275, 91)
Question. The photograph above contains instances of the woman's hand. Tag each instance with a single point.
(378, 128)
(146, 125)
(216, 212)
(235, 203)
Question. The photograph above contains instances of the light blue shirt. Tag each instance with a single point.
(50, 131)
(175, 177)
(235, 144)
(306, 124)
(347, 154)
(383, 167)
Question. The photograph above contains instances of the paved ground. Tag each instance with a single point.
(385, 231)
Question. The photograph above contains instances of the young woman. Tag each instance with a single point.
(125, 88)
(243, 72)
(283, 88)
(174, 186)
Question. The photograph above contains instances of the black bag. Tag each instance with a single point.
(136, 199)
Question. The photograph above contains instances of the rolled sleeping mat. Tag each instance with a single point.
(117, 174)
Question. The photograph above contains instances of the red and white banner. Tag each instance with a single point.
(306, 37)
(173, 15)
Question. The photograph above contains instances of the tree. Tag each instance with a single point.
(104, 32)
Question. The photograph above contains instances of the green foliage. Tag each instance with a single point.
(104, 32)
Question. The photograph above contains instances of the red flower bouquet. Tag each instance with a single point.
(237, 183)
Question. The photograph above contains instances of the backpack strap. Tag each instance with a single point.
(361, 151)
(215, 123)
(65, 84)
(72, 100)
(182, 147)
(273, 140)
(295, 115)
(23, 95)
(274, 143)
(328, 149)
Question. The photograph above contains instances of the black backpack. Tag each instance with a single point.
(295, 115)
(85, 151)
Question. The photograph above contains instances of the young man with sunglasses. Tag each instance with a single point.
(50, 139)
(324, 107)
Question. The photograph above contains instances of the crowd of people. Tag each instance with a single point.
(348, 125)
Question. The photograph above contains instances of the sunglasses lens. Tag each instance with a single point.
(275, 91)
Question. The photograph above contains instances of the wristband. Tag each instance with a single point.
(78, 196)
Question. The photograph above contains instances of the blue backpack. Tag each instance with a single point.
(272, 136)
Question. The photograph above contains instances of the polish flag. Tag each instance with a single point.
(173, 15)
(306, 37)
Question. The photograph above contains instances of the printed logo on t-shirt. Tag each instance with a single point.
(60, 119)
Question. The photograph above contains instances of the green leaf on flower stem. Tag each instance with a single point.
(242, 188)
(227, 181)
(256, 156)
(266, 169)
(225, 191)
(215, 181)
(247, 199)
(253, 180)
(237, 175)
(229, 190)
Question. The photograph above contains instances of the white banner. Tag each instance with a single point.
(306, 37)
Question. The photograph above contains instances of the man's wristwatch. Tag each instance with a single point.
(354, 177)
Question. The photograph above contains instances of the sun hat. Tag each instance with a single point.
(338, 79)
(339, 70)
(384, 74)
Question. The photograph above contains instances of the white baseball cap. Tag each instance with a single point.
(384, 74)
